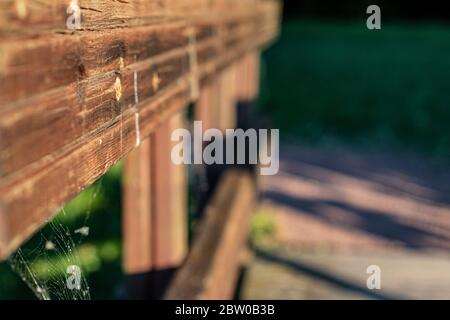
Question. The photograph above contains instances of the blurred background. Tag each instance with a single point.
(365, 164)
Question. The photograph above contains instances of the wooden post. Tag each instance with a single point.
(137, 218)
(155, 214)
(227, 104)
(169, 191)
(216, 109)
(216, 104)
(203, 107)
(247, 77)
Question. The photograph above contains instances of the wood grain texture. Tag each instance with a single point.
(28, 202)
(50, 15)
(155, 204)
(74, 103)
(169, 192)
(79, 107)
(216, 107)
(227, 94)
(211, 269)
(248, 77)
(137, 210)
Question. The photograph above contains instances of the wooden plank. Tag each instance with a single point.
(211, 269)
(227, 93)
(248, 77)
(32, 190)
(26, 204)
(137, 212)
(76, 58)
(28, 126)
(217, 101)
(155, 204)
(155, 213)
(169, 193)
(214, 104)
(217, 105)
(203, 110)
(86, 53)
(17, 16)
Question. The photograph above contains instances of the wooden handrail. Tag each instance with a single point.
(73, 103)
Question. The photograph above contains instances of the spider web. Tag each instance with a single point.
(45, 266)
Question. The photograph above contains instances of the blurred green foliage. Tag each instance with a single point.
(341, 80)
(262, 227)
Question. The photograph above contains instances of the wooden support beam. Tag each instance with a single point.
(34, 18)
(73, 103)
(137, 211)
(227, 94)
(26, 205)
(169, 194)
(211, 269)
(79, 97)
(216, 106)
(203, 107)
(155, 213)
(248, 77)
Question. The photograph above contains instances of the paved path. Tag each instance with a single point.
(336, 212)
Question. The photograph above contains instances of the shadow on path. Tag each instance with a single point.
(324, 276)
(380, 224)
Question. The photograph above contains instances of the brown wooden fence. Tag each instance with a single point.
(75, 102)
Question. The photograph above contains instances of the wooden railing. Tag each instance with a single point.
(75, 102)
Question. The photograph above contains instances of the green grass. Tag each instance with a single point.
(341, 80)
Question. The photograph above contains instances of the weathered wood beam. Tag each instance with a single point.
(31, 18)
(137, 210)
(68, 113)
(169, 191)
(28, 125)
(155, 213)
(247, 77)
(27, 203)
